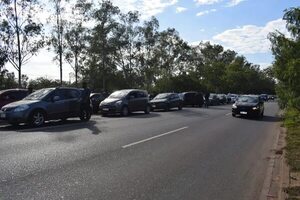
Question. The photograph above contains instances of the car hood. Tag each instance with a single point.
(19, 103)
(109, 101)
(158, 100)
(246, 104)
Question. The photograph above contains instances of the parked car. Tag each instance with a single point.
(46, 104)
(166, 101)
(125, 101)
(231, 98)
(96, 99)
(192, 99)
(264, 97)
(214, 99)
(222, 98)
(248, 105)
(12, 95)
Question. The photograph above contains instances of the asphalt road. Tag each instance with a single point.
(195, 153)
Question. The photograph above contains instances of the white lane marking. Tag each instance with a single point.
(228, 114)
(154, 137)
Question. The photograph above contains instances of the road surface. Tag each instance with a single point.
(195, 153)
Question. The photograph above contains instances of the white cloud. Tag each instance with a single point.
(250, 39)
(202, 30)
(147, 8)
(205, 12)
(207, 2)
(233, 3)
(180, 9)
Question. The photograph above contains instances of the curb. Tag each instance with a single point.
(277, 177)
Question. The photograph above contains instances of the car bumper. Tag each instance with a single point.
(158, 105)
(109, 109)
(246, 112)
(14, 117)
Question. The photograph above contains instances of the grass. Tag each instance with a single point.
(294, 193)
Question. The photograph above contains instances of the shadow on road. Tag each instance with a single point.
(264, 119)
(56, 126)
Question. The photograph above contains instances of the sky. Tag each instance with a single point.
(239, 25)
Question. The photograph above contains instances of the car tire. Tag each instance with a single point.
(180, 107)
(233, 115)
(37, 118)
(124, 111)
(85, 114)
(148, 109)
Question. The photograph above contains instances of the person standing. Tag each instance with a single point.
(207, 99)
(85, 101)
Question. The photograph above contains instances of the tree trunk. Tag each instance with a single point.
(19, 45)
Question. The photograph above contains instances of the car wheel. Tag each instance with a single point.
(148, 109)
(37, 118)
(125, 111)
(85, 115)
(180, 107)
(233, 115)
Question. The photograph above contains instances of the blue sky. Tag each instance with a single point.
(240, 25)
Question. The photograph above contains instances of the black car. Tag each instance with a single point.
(214, 99)
(12, 95)
(192, 99)
(166, 101)
(248, 105)
(96, 99)
(222, 98)
(125, 101)
(46, 104)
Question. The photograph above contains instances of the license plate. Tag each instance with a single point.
(243, 113)
(2, 115)
(105, 109)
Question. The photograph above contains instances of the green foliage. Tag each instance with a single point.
(44, 82)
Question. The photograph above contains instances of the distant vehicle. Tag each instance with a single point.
(46, 104)
(96, 99)
(192, 98)
(264, 97)
(214, 99)
(125, 101)
(12, 95)
(166, 101)
(248, 105)
(222, 98)
(231, 98)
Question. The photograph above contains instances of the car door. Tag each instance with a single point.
(133, 101)
(58, 105)
(73, 102)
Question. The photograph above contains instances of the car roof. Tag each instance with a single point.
(131, 90)
(15, 89)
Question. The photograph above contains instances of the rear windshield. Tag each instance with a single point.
(248, 99)
(39, 94)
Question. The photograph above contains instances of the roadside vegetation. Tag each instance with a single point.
(113, 50)
(286, 70)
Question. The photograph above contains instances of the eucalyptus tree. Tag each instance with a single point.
(21, 33)
(76, 35)
(58, 23)
(146, 56)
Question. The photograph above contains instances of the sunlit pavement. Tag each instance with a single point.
(196, 153)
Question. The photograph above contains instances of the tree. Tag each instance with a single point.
(287, 60)
(21, 35)
(76, 36)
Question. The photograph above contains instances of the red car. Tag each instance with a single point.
(12, 95)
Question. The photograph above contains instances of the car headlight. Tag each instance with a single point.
(118, 103)
(21, 108)
(234, 106)
(255, 108)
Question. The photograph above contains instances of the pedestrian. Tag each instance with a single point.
(85, 100)
(207, 99)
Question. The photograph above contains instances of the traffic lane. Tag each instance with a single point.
(211, 161)
(27, 150)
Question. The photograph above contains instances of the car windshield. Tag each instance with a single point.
(37, 95)
(162, 96)
(248, 99)
(118, 94)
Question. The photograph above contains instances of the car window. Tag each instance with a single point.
(71, 94)
(134, 94)
(61, 94)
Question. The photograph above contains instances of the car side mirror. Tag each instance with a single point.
(55, 98)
